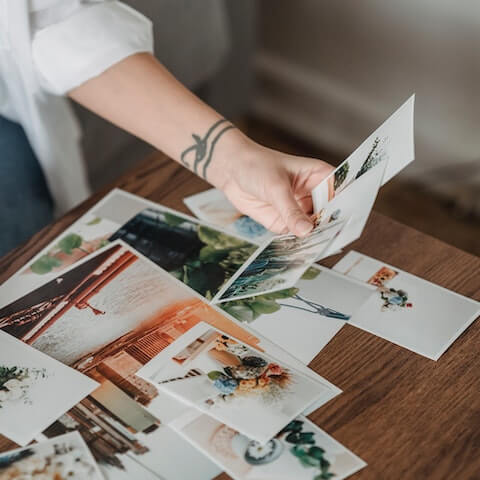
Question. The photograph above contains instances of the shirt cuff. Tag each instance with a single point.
(85, 44)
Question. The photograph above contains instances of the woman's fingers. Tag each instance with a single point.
(284, 202)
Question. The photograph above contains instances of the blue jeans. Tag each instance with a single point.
(25, 202)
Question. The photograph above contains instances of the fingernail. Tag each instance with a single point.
(303, 227)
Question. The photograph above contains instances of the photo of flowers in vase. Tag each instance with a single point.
(408, 310)
(34, 388)
(213, 206)
(392, 144)
(349, 171)
(245, 388)
(300, 451)
(62, 458)
(15, 382)
(280, 263)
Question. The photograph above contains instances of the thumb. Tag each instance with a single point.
(283, 200)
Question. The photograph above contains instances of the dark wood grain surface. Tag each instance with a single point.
(408, 417)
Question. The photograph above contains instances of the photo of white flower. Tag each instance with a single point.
(15, 382)
(34, 390)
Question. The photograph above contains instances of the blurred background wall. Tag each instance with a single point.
(315, 77)
(330, 72)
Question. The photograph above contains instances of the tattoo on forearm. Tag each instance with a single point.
(203, 148)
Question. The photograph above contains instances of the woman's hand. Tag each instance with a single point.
(273, 188)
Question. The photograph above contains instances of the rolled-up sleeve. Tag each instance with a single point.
(81, 46)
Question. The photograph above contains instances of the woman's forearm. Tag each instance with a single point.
(139, 95)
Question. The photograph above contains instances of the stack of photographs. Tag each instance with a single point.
(145, 343)
(109, 315)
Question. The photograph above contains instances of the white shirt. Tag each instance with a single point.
(47, 48)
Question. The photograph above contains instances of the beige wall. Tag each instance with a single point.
(332, 71)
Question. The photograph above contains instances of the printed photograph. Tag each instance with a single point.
(392, 142)
(62, 458)
(355, 203)
(87, 236)
(214, 207)
(304, 318)
(407, 310)
(299, 451)
(34, 390)
(84, 237)
(227, 379)
(200, 256)
(280, 263)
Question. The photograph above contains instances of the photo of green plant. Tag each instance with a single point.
(281, 263)
(86, 236)
(351, 170)
(249, 309)
(376, 154)
(305, 449)
(202, 257)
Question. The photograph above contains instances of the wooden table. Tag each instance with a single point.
(408, 417)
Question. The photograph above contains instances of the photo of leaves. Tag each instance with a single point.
(202, 257)
(300, 451)
(391, 143)
(280, 263)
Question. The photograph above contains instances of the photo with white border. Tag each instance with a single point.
(225, 378)
(35, 389)
(407, 310)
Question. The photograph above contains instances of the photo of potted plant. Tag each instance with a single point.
(202, 257)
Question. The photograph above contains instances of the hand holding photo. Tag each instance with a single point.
(392, 142)
(280, 263)
(61, 458)
(300, 451)
(223, 377)
(408, 310)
